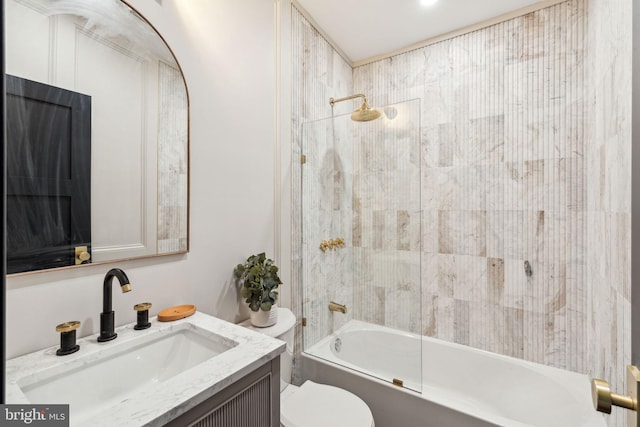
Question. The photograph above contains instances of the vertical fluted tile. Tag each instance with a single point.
(503, 177)
(523, 164)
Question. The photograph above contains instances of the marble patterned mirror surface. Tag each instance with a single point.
(133, 124)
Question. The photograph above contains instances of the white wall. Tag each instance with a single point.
(227, 50)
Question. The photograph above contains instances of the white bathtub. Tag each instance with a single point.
(460, 386)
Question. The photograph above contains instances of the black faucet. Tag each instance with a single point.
(107, 317)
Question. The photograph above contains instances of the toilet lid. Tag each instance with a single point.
(321, 405)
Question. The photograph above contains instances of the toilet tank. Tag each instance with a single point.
(284, 330)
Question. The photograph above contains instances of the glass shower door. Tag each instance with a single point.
(361, 243)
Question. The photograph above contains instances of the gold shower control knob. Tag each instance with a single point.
(68, 326)
(604, 399)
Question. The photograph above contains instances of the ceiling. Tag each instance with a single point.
(367, 28)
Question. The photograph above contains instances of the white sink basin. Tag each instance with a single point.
(113, 376)
(144, 377)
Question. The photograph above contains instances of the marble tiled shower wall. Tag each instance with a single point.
(386, 230)
(525, 186)
(318, 73)
(328, 214)
(503, 135)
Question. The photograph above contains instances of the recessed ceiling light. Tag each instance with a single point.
(428, 2)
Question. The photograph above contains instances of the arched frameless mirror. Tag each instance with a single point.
(97, 136)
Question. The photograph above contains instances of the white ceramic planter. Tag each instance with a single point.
(262, 319)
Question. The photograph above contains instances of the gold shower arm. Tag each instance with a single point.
(346, 98)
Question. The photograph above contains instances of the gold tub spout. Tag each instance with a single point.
(334, 306)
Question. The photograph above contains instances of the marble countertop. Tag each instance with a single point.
(160, 402)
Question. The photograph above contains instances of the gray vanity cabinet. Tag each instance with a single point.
(252, 401)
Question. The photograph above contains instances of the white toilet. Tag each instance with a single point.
(311, 404)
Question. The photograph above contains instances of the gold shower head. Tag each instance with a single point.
(365, 113)
(362, 114)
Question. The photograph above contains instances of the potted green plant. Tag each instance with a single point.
(259, 279)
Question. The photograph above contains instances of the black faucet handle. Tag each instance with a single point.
(143, 315)
(67, 337)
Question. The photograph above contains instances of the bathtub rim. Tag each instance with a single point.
(557, 375)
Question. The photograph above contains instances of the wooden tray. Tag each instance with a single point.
(176, 313)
